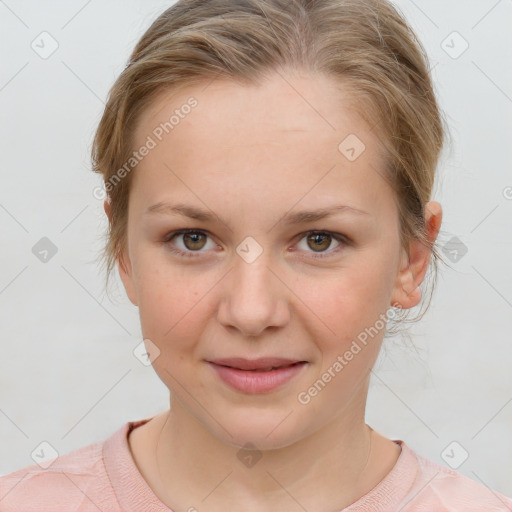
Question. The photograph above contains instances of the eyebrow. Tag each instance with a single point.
(301, 217)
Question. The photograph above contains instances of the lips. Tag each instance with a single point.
(257, 376)
(261, 364)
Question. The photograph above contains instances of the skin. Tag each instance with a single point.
(251, 154)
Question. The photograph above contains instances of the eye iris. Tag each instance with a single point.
(321, 241)
(193, 237)
(316, 237)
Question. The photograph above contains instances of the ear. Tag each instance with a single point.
(106, 207)
(414, 267)
(124, 265)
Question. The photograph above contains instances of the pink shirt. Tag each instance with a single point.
(103, 477)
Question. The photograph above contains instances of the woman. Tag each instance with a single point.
(268, 168)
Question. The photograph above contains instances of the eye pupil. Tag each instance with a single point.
(318, 236)
(193, 237)
(193, 240)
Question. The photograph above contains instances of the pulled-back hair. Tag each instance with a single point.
(364, 45)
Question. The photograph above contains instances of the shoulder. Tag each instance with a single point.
(440, 488)
(75, 481)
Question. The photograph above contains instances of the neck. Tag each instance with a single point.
(336, 463)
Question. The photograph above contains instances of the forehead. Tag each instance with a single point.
(280, 104)
(288, 135)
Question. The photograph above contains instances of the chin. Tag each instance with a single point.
(264, 430)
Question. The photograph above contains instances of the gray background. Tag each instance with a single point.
(67, 371)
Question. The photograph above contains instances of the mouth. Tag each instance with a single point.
(256, 376)
(263, 364)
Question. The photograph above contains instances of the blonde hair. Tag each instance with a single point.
(366, 45)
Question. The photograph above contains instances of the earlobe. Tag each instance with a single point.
(407, 291)
(124, 266)
(106, 207)
(125, 272)
(414, 266)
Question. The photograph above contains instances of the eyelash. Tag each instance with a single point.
(194, 254)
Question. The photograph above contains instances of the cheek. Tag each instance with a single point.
(172, 306)
(348, 337)
(347, 299)
(348, 305)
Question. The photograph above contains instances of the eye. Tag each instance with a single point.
(320, 240)
(194, 240)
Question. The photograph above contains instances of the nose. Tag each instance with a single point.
(254, 298)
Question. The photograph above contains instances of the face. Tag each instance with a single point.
(253, 278)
